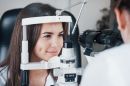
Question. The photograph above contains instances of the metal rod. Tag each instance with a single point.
(24, 78)
(78, 16)
(75, 4)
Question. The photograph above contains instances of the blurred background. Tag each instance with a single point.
(91, 12)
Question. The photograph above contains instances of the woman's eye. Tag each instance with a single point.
(47, 36)
(61, 35)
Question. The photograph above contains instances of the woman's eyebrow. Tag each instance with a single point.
(51, 32)
(47, 33)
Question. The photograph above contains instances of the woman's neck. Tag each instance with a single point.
(38, 77)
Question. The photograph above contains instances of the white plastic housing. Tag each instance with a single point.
(45, 19)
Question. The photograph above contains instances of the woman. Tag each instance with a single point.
(112, 67)
(45, 41)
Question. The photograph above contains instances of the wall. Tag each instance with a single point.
(91, 11)
(10, 4)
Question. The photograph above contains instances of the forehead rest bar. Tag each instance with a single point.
(45, 19)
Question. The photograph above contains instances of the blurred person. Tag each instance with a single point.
(111, 67)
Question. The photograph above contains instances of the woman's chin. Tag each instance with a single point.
(49, 57)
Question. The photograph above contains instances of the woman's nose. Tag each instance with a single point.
(54, 42)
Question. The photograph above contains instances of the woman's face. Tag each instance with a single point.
(49, 43)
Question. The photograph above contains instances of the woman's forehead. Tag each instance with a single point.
(52, 27)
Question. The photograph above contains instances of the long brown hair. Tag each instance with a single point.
(33, 31)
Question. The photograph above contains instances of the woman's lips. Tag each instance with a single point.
(52, 52)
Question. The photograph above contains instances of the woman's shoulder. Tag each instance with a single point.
(3, 75)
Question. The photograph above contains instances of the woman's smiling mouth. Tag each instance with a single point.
(52, 53)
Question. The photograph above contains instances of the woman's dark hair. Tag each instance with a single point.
(122, 4)
(33, 31)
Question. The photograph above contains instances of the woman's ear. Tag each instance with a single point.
(121, 20)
